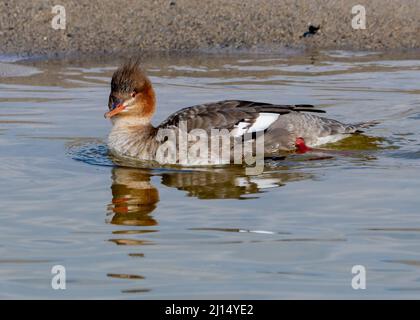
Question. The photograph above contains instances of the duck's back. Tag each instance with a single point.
(250, 116)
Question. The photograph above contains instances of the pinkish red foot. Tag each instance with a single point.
(301, 146)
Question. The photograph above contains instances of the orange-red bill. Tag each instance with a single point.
(114, 111)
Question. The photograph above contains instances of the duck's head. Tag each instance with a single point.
(132, 97)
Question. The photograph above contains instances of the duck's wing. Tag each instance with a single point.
(241, 116)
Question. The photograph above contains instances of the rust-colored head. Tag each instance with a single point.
(132, 95)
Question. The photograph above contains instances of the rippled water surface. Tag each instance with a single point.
(294, 231)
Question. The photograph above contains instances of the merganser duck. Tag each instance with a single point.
(132, 103)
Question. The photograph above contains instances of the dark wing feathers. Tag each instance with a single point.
(226, 114)
(307, 108)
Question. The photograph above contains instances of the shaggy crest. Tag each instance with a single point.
(128, 78)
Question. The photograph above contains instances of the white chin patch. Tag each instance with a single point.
(128, 104)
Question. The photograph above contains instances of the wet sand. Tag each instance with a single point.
(105, 26)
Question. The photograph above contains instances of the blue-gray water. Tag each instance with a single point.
(293, 232)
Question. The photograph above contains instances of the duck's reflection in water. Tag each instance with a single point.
(228, 184)
(133, 200)
(134, 197)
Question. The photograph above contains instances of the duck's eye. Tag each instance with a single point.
(133, 94)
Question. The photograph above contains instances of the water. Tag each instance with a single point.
(293, 232)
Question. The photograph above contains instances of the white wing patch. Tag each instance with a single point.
(263, 121)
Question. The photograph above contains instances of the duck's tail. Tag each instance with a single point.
(367, 124)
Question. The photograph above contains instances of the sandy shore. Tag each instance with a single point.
(108, 26)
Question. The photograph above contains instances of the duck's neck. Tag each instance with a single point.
(133, 139)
